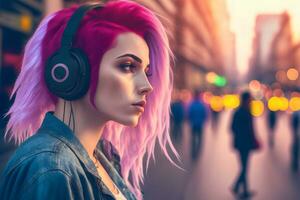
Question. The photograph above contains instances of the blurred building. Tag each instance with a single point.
(18, 19)
(198, 30)
(200, 38)
(282, 45)
(227, 41)
(272, 49)
(295, 53)
(266, 28)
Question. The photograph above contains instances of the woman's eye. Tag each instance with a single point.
(127, 67)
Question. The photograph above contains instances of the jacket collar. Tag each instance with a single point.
(56, 128)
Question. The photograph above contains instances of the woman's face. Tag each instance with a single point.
(123, 80)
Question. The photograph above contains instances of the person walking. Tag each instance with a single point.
(244, 142)
(272, 118)
(177, 115)
(295, 141)
(197, 115)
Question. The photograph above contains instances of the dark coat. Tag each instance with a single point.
(243, 131)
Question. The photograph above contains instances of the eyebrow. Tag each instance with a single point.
(132, 56)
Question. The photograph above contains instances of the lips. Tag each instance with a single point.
(140, 103)
(140, 106)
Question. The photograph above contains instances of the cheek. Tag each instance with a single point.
(114, 97)
(114, 90)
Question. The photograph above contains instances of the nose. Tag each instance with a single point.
(145, 87)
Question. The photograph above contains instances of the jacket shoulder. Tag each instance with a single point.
(38, 156)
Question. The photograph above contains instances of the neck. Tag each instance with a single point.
(88, 126)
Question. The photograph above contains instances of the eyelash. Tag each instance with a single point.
(132, 69)
(128, 67)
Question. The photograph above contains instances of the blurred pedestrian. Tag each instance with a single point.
(272, 118)
(197, 115)
(177, 115)
(295, 141)
(215, 120)
(8, 77)
(244, 142)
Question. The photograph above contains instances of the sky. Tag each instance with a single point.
(242, 21)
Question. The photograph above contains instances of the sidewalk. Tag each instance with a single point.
(212, 175)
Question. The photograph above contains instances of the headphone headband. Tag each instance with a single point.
(74, 22)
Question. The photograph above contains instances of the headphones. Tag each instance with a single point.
(67, 72)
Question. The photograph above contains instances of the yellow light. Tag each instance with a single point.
(292, 74)
(295, 103)
(231, 101)
(26, 23)
(216, 103)
(211, 77)
(284, 104)
(273, 103)
(257, 108)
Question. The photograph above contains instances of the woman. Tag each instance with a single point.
(121, 97)
(244, 143)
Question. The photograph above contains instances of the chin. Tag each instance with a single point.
(132, 122)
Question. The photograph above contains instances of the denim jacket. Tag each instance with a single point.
(53, 164)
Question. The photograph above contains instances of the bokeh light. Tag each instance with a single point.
(278, 92)
(210, 77)
(295, 94)
(278, 103)
(268, 93)
(254, 85)
(220, 81)
(25, 23)
(257, 108)
(231, 101)
(292, 74)
(207, 96)
(284, 104)
(294, 103)
(216, 103)
(273, 103)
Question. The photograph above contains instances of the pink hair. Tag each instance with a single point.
(96, 35)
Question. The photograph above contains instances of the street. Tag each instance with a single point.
(211, 176)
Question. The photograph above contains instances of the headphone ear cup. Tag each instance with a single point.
(67, 74)
(84, 77)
